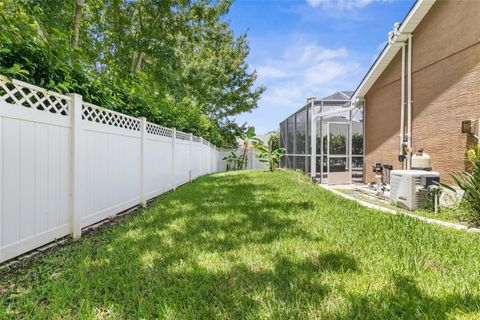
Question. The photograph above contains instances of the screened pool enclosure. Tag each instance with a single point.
(337, 125)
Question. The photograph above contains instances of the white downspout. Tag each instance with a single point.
(409, 102)
(402, 104)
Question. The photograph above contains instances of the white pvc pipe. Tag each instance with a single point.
(402, 102)
(409, 101)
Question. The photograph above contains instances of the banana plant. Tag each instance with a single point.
(234, 161)
(248, 139)
(268, 155)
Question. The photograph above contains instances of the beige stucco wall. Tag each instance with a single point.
(445, 91)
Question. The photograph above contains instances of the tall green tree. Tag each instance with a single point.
(177, 62)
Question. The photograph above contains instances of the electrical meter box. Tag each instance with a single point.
(467, 126)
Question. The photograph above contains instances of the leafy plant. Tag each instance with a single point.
(469, 182)
(274, 141)
(268, 155)
(338, 143)
(234, 161)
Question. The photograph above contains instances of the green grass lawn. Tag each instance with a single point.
(451, 214)
(253, 245)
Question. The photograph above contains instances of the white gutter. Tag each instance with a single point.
(411, 21)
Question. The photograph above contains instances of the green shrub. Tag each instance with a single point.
(469, 182)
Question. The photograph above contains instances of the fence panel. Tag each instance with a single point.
(197, 156)
(66, 164)
(158, 160)
(111, 163)
(35, 167)
(204, 157)
(182, 161)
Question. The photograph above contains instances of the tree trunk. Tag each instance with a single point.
(245, 157)
(77, 17)
(134, 61)
(138, 65)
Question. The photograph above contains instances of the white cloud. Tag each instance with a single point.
(270, 72)
(341, 4)
(301, 70)
(304, 70)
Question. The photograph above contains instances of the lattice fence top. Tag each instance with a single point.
(182, 135)
(29, 96)
(157, 130)
(91, 112)
(33, 97)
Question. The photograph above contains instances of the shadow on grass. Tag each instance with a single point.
(404, 300)
(213, 249)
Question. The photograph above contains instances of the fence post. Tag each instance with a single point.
(201, 155)
(76, 172)
(174, 133)
(208, 157)
(143, 132)
(191, 157)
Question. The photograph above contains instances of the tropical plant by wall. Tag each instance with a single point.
(469, 182)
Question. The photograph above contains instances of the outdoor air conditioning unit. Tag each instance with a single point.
(408, 188)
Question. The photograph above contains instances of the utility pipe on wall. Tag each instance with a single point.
(402, 104)
(409, 102)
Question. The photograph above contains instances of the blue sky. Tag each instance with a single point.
(310, 47)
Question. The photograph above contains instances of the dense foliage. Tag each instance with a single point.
(469, 183)
(338, 143)
(176, 62)
(234, 161)
(274, 140)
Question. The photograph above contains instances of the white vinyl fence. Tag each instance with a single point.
(66, 164)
